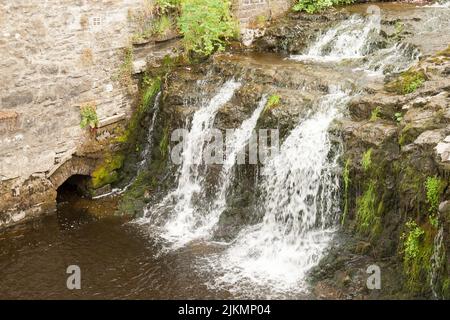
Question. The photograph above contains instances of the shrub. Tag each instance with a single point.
(206, 25)
(313, 6)
(89, 117)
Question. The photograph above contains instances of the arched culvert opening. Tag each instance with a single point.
(74, 186)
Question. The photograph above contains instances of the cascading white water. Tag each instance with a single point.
(185, 222)
(235, 144)
(149, 140)
(396, 58)
(354, 39)
(348, 40)
(300, 201)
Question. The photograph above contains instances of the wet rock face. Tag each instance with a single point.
(295, 32)
(407, 145)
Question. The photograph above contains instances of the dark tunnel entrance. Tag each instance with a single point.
(75, 186)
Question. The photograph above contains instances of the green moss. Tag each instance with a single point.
(164, 143)
(106, 172)
(366, 160)
(446, 288)
(368, 216)
(408, 82)
(346, 177)
(151, 86)
(132, 201)
(417, 251)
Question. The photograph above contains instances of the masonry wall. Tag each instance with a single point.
(247, 11)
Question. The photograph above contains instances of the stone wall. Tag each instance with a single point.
(247, 11)
(56, 56)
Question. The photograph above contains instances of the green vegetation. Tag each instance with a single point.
(206, 25)
(164, 143)
(408, 82)
(366, 160)
(368, 212)
(313, 6)
(167, 6)
(151, 86)
(273, 102)
(106, 173)
(89, 117)
(375, 115)
(134, 199)
(433, 185)
(417, 252)
(346, 176)
(398, 117)
(446, 288)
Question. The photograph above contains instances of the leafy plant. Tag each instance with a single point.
(167, 6)
(417, 249)
(434, 220)
(367, 213)
(412, 241)
(366, 160)
(206, 25)
(313, 6)
(433, 185)
(89, 117)
(273, 101)
(398, 116)
(375, 115)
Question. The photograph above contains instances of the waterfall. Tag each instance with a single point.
(300, 202)
(351, 39)
(235, 144)
(394, 59)
(298, 187)
(437, 262)
(188, 220)
(185, 222)
(149, 139)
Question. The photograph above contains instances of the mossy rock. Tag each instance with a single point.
(408, 82)
(106, 173)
